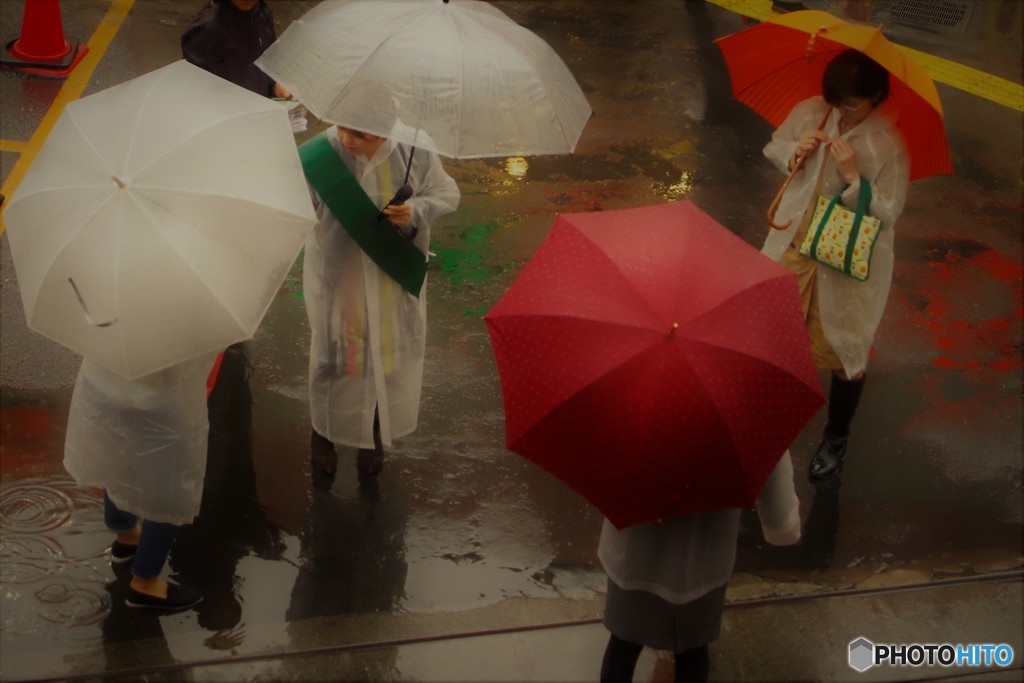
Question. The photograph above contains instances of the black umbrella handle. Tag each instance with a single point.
(403, 193)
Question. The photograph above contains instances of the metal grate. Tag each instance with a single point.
(937, 15)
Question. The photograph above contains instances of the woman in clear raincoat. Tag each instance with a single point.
(667, 581)
(859, 142)
(144, 443)
(368, 333)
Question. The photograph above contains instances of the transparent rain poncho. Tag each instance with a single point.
(367, 333)
(850, 310)
(143, 440)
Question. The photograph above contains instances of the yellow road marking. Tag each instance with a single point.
(13, 146)
(755, 9)
(72, 89)
(973, 81)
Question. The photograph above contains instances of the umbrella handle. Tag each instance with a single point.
(796, 167)
(85, 311)
(778, 196)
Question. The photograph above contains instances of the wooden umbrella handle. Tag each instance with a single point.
(796, 167)
(778, 196)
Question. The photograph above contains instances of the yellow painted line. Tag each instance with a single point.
(72, 89)
(13, 146)
(755, 9)
(973, 81)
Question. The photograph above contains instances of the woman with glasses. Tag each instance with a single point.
(848, 136)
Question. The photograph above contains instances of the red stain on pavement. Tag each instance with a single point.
(973, 344)
(999, 267)
(25, 435)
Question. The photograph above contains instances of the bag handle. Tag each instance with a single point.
(782, 190)
(863, 204)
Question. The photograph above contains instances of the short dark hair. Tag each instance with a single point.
(852, 73)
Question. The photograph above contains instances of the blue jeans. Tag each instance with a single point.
(155, 540)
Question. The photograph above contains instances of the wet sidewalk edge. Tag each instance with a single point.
(790, 637)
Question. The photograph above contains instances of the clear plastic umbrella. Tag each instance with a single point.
(159, 220)
(476, 82)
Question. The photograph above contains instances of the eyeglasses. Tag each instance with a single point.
(852, 107)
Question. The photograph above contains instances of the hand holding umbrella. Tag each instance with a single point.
(809, 143)
(780, 62)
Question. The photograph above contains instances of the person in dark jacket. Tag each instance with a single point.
(227, 36)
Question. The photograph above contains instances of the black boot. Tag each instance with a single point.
(620, 657)
(692, 665)
(323, 457)
(843, 398)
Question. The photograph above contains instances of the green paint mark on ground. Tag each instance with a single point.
(462, 264)
(478, 233)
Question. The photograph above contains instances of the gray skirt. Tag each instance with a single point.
(641, 617)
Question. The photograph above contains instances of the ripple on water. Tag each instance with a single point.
(49, 582)
(34, 506)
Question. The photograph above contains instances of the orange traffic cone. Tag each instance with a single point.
(41, 48)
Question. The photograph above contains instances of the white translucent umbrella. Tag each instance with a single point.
(159, 220)
(477, 82)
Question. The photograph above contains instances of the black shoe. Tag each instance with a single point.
(122, 552)
(178, 597)
(322, 455)
(827, 463)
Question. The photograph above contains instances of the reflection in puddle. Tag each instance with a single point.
(516, 167)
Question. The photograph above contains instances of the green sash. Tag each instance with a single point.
(338, 188)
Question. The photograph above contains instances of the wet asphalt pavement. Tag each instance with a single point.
(458, 535)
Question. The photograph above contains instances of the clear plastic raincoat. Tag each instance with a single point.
(367, 333)
(686, 557)
(144, 441)
(850, 310)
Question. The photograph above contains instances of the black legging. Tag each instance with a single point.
(620, 659)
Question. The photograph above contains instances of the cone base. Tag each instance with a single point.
(52, 68)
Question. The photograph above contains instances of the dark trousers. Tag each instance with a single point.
(155, 540)
(620, 659)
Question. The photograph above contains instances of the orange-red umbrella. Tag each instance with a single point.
(780, 62)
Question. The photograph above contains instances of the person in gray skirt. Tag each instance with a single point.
(666, 581)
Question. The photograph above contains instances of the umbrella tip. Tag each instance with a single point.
(672, 330)
(121, 181)
(810, 41)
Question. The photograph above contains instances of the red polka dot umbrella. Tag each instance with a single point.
(654, 362)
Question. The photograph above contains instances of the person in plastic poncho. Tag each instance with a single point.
(666, 581)
(858, 143)
(144, 443)
(367, 332)
(226, 38)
